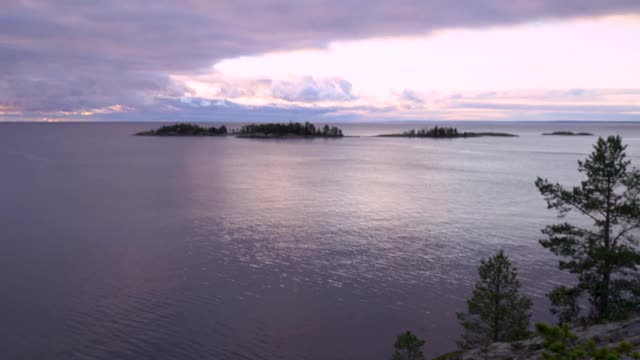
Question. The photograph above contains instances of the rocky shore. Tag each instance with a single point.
(607, 335)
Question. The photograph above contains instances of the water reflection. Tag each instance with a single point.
(237, 248)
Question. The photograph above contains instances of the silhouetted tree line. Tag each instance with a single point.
(187, 130)
(284, 129)
(436, 132)
(445, 133)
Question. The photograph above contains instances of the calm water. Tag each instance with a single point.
(122, 247)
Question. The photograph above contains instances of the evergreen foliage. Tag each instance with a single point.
(186, 130)
(408, 347)
(559, 343)
(444, 133)
(567, 133)
(604, 256)
(290, 129)
(496, 311)
(435, 132)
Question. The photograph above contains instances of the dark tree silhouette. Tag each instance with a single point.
(496, 311)
(408, 347)
(444, 133)
(290, 129)
(605, 256)
(436, 132)
(186, 130)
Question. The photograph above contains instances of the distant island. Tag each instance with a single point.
(445, 133)
(185, 130)
(290, 130)
(567, 133)
(268, 130)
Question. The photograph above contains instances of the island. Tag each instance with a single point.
(290, 130)
(185, 130)
(567, 133)
(445, 133)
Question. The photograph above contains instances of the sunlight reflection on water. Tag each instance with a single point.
(131, 248)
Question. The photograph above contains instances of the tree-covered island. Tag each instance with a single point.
(445, 133)
(567, 133)
(287, 130)
(185, 130)
(267, 130)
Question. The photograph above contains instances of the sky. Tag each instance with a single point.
(319, 60)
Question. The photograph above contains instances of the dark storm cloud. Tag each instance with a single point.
(72, 55)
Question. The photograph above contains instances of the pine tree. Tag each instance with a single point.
(496, 311)
(559, 343)
(605, 256)
(408, 347)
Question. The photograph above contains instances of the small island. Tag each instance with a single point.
(567, 133)
(185, 130)
(290, 130)
(445, 133)
(267, 130)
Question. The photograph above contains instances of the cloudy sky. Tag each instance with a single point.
(319, 60)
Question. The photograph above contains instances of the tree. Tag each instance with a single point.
(496, 311)
(604, 256)
(559, 343)
(408, 347)
(283, 129)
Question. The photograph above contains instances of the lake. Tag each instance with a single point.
(121, 247)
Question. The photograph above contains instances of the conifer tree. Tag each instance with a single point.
(496, 311)
(408, 347)
(605, 255)
(559, 343)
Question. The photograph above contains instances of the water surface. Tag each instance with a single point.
(121, 247)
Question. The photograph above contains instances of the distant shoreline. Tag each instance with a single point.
(150, 133)
(185, 130)
(286, 136)
(567, 133)
(462, 135)
(437, 132)
(307, 130)
(289, 130)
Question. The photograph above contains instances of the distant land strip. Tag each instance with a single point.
(445, 133)
(567, 133)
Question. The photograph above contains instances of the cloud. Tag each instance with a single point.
(412, 96)
(581, 108)
(308, 89)
(228, 111)
(70, 55)
(571, 104)
(596, 105)
(48, 88)
(292, 89)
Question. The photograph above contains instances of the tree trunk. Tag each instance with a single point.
(606, 273)
(496, 316)
(604, 304)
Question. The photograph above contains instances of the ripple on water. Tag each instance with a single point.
(230, 249)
